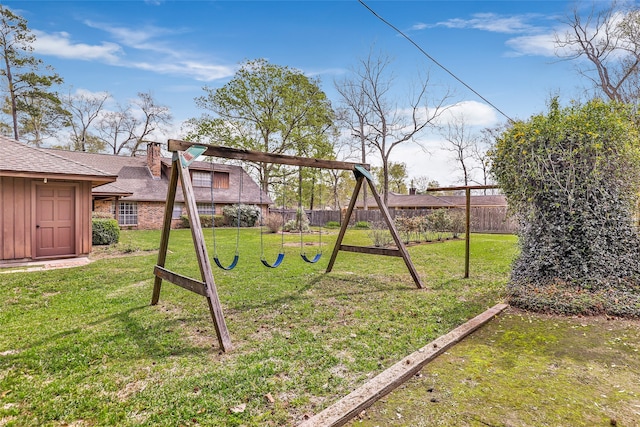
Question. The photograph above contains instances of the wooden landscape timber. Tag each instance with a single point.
(355, 402)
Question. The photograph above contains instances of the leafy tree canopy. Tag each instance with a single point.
(269, 108)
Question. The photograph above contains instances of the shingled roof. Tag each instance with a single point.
(136, 183)
(22, 160)
(428, 201)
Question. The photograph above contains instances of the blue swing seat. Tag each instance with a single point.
(231, 266)
(312, 260)
(275, 264)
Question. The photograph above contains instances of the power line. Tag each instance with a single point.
(433, 59)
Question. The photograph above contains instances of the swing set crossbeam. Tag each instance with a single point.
(259, 156)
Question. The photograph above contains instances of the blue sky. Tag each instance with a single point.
(503, 49)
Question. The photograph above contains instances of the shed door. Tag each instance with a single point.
(55, 220)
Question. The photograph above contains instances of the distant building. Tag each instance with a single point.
(137, 198)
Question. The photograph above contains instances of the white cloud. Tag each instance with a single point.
(138, 38)
(61, 45)
(197, 70)
(166, 60)
(474, 114)
(539, 45)
(494, 23)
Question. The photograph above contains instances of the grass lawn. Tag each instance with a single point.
(83, 347)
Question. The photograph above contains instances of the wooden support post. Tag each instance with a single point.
(166, 229)
(467, 233)
(361, 175)
(202, 256)
(345, 223)
(396, 236)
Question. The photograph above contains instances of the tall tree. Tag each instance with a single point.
(387, 122)
(40, 118)
(27, 89)
(85, 107)
(609, 38)
(460, 141)
(154, 117)
(269, 108)
(353, 114)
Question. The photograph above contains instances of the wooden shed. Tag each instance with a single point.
(45, 203)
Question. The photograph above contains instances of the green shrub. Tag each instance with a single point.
(458, 223)
(362, 225)
(205, 221)
(248, 214)
(105, 231)
(332, 224)
(440, 222)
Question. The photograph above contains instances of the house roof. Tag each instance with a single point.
(428, 201)
(22, 160)
(238, 178)
(136, 183)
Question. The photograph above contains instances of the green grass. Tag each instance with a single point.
(82, 346)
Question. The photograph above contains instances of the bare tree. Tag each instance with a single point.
(460, 143)
(388, 124)
(85, 107)
(609, 39)
(353, 114)
(155, 117)
(117, 129)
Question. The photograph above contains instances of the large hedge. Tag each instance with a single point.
(572, 178)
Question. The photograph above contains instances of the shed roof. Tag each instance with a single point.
(19, 159)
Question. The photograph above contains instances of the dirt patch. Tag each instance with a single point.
(102, 253)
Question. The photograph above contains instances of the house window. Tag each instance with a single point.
(177, 211)
(128, 213)
(221, 180)
(205, 209)
(201, 179)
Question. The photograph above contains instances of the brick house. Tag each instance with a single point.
(137, 198)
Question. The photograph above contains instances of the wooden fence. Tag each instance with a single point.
(484, 219)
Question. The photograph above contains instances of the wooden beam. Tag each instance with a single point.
(215, 308)
(345, 223)
(166, 229)
(259, 156)
(371, 250)
(179, 280)
(351, 405)
(396, 236)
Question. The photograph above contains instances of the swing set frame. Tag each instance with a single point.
(186, 152)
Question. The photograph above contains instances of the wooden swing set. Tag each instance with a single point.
(186, 152)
